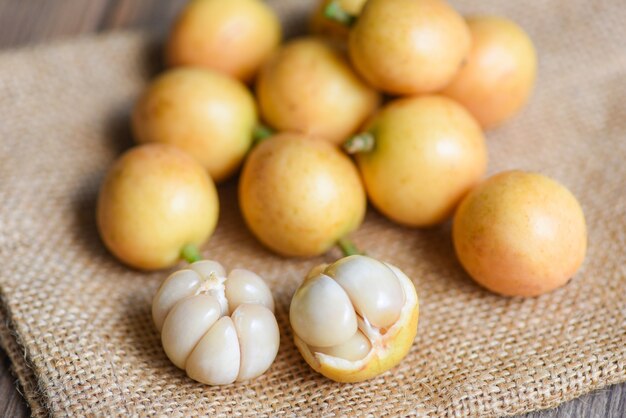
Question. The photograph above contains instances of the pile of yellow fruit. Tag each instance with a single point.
(387, 101)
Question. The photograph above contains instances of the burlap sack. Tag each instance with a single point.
(77, 324)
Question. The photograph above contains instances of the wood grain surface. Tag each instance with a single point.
(25, 22)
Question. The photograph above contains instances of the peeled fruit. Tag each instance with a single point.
(424, 154)
(500, 72)
(309, 87)
(299, 196)
(234, 37)
(155, 201)
(336, 26)
(208, 115)
(520, 234)
(219, 329)
(354, 319)
(409, 47)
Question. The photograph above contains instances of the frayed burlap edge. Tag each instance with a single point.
(20, 365)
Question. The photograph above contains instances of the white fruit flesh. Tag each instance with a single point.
(178, 286)
(216, 358)
(354, 349)
(321, 312)
(189, 310)
(243, 286)
(180, 334)
(206, 268)
(383, 297)
(259, 337)
(373, 288)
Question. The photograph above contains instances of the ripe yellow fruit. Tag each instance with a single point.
(428, 151)
(206, 114)
(154, 201)
(219, 329)
(520, 234)
(234, 37)
(409, 47)
(299, 196)
(354, 319)
(309, 87)
(500, 72)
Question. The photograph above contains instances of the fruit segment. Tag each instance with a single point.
(355, 348)
(180, 335)
(216, 359)
(258, 338)
(372, 287)
(178, 286)
(244, 286)
(321, 313)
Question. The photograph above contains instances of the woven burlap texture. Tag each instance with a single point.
(77, 324)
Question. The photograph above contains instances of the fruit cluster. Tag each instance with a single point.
(387, 102)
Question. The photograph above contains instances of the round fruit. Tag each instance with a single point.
(299, 196)
(233, 37)
(191, 310)
(427, 152)
(354, 319)
(333, 17)
(520, 234)
(154, 202)
(309, 87)
(209, 115)
(500, 71)
(409, 46)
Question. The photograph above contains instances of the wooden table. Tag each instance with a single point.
(28, 21)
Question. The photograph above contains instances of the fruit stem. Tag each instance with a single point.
(335, 12)
(261, 133)
(190, 253)
(363, 142)
(347, 247)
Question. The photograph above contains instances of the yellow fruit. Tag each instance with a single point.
(299, 196)
(321, 24)
(354, 319)
(206, 114)
(500, 72)
(409, 47)
(154, 201)
(427, 153)
(309, 87)
(233, 37)
(520, 234)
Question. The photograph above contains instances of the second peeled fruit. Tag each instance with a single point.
(354, 319)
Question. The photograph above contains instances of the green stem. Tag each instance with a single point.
(335, 12)
(191, 253)
(261, 133)
(363, 142)
(347, 247)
